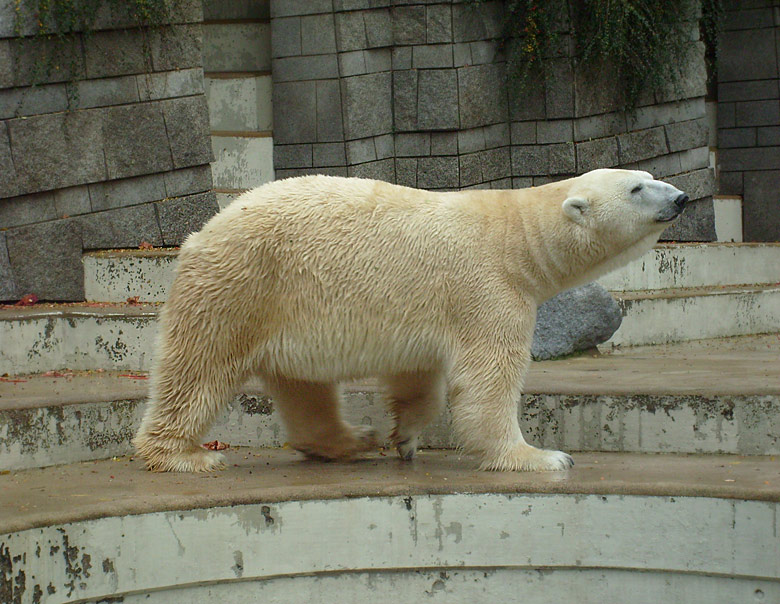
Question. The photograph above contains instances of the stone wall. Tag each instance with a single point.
(749, 114)
(415, 93)
(110, 150)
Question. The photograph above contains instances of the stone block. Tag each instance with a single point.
(385, 146)
(405, 100)
(526, 99)
(693, 159)
(177, 47)
(242, 162)
(727, 115)
(598, 153)
(431, 56)
(295, 112)
(522, 133)
(743, 55)
(471, 22)
(326, 155)
(660, 167)
(8, 289)
(482, 95)
(284, 8)
(107, 91)
(16, 102)
(641, 144)
(497, 135)
(693, 77)
(599, 126)
(115, 53)
(27, 209)
(412, 144)
(538, 160)
(437, 173)
(696, 224)
(408, 25)
(687, 135)
(351, 31)
(352, 63)
(313, 67)
(184, 215)
(471, 140)
(561, 158)
(554, 131)
(768, 136)
(461, 54)
(361, 151)
(317, 35)
(401, 58)
(759, 208)
(30, 56)
(9, 182)
(187, 181)
(437, 99)
(758, 158)
(168, 84)
(380, 170)
(495, 163)
(123, 227)
(485, 52)
(286, 37)
(378, 59)
(60, 149)
(594, 93)
(758, 113)
(666, 113)
(293, 156)
(438, 23)
(219, 10)
(126, 192)
(379, 28)
(329, 123)
(406, 172)
(187, 124)
(730, 183)
(6, 64)
(748, 91)
(574, 320)
(470, 170)
(72, 201)
(45, 260)
(367, 103)
(135, 140)
(559, 91)
(697, 184)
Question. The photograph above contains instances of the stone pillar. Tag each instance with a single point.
(109, 150)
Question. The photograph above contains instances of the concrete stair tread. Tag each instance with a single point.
(120, 486)
(691, 292)
(733, 366)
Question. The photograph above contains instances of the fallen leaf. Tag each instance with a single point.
(27, 300)
(133, 300)
(215, 445)
(11, 380)
(134, 377)
(57, 374)
(145, 245)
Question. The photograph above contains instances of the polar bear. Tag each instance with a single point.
(311, 281)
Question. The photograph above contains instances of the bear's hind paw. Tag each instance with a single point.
(530, 459)
(192, 460)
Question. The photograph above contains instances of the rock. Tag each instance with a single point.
(574, 320)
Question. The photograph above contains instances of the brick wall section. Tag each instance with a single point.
(749, 114)
(415, 93)
(122, 159)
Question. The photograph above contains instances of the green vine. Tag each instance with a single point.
(642, 44)
(60, 26)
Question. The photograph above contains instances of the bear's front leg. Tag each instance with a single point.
(485, 386)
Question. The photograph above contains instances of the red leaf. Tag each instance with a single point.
(215, 445)
(145, 245)
(134, 377)
(27, 300)
(133, 300)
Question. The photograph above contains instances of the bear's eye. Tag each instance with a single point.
(636, 189)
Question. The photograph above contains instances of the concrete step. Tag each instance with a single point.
(239, 101)
(273, 528)
(240, 45)
(708, 397)
(677, 315)
(242, 160)
(679, 265)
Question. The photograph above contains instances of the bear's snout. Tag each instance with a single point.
(681, 200)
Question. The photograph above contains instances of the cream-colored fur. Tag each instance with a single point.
(311, 281)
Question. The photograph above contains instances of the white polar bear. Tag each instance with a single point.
(311, 281)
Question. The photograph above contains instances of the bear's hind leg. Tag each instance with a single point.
(415, 400)
(485, 388)
(310, 411)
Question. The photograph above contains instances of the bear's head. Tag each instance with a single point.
(629, 205)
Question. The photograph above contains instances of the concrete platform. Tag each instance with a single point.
(274, 528)
(707, 397)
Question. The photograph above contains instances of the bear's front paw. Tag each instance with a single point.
(526, 458)
(167, 456)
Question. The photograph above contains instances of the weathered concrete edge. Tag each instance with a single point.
(333, 493)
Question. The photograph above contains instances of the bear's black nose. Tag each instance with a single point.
(681, 200)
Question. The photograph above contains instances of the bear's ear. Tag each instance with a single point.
(576, 208)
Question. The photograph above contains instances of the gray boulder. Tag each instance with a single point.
(574, 320)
